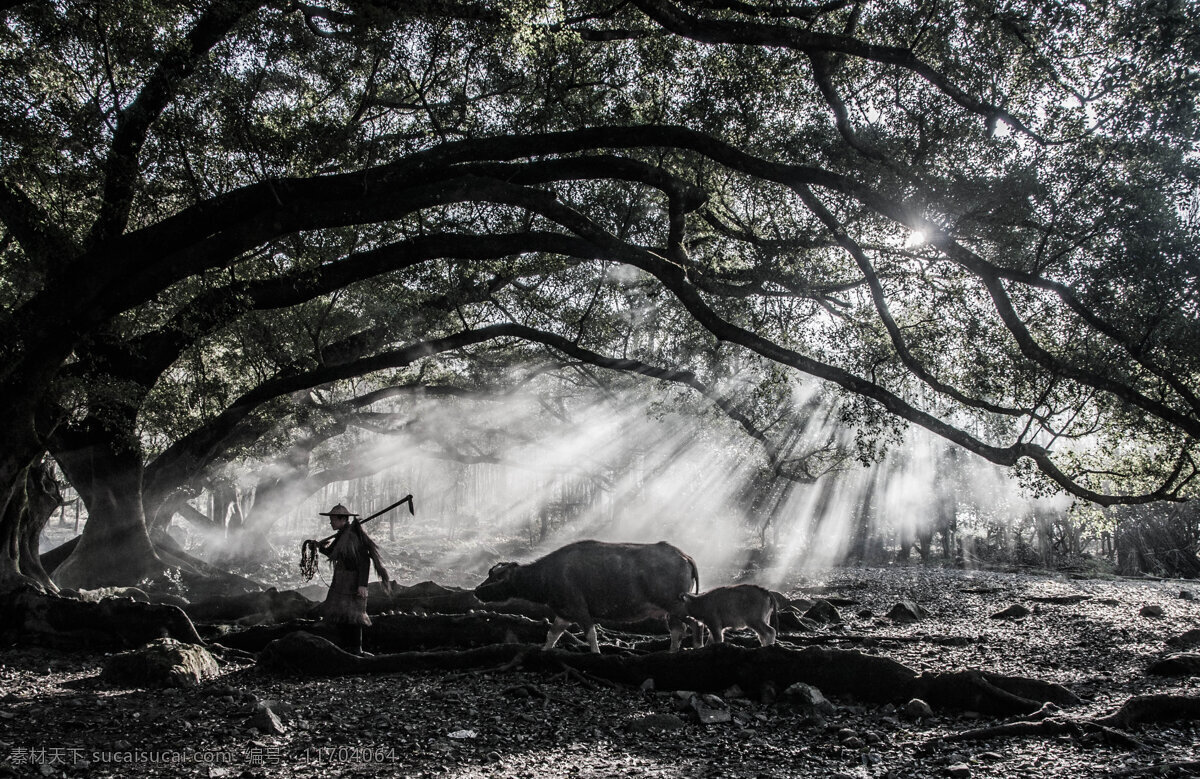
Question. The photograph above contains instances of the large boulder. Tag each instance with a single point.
(162, 663)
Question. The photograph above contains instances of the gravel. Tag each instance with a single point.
(57, 718)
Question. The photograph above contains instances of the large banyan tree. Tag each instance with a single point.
(977, 218)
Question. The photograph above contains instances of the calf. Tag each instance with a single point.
(735, 606)
(592, 580)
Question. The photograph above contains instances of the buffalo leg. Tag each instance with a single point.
(590, 634)
(677, 628)
(556, 630)
(766, 633)
(697, 629)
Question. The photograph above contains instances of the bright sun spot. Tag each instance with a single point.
(915, 238)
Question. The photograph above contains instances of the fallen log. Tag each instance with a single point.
(711, 669)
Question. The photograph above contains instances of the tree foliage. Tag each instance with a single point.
(976, 219)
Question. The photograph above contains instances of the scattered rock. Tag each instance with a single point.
(267, 721)
(1187, 595)
(1015, 611)
(918, 709)
(805, 695)
(1153, 612)
(162, 663)
(462, 735)
(958, 771)
(709, 709)
(906, 611)
(823, 611)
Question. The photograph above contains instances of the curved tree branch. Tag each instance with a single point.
(134, 121)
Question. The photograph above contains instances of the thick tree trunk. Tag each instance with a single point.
(20, 451)
(115, 547)
(10, 529)
(42, 499)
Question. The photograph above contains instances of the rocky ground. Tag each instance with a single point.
(1094, 636)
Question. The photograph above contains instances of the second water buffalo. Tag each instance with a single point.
(589, 581)
(734, 606)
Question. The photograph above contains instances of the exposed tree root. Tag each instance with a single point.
(712, 669)
(31, 617)
(1159, 769)
(990, 693)
(1183, 664)
(1062, 600)
(1153, 708)
(263, 607)
(393, 633)
(1050, 726)
(1144, 708)
(199, 580)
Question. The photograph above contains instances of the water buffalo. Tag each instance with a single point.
(735, 606)
(592, 580)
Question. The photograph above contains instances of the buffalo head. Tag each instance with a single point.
(498, 585)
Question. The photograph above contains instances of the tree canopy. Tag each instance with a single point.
(976, 219)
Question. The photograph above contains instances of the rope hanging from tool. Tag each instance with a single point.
(309, 549)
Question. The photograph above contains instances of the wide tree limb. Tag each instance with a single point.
(134, 121)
